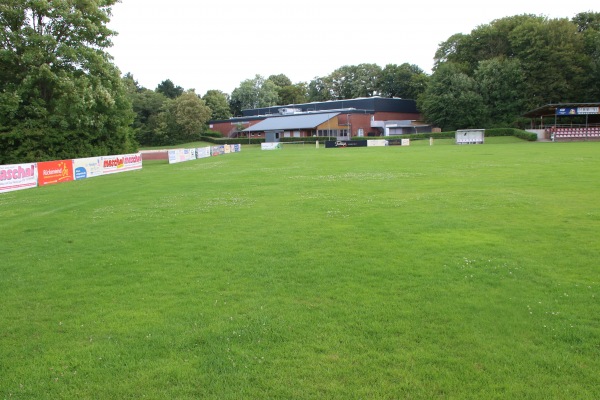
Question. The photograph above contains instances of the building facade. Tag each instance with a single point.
(340, 119)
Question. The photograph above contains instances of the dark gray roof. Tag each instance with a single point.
(289, 122)
(370, 104)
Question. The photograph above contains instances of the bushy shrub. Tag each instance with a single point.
(213, 134)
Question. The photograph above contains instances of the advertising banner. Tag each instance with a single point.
(181, 155)
(377, 143)
(87, 167)
(18, 176)
(203, 152)
(173, 156)
(330, 144)
(270, 146)
(236, 148)
(577, 110)
(121, 163)
(51, 172)
(227, 149)
(217, 150)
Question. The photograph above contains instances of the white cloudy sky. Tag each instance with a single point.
(219, 43)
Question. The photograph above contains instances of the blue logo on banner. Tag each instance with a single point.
(566, 111)
(80, 173)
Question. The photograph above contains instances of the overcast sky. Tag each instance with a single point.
(218, 44)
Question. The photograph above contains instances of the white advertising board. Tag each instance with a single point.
(181, 155)
(270, 146)
(377, 143)
(87, 167)
(121, 163)
(203, 152)
(18, 177)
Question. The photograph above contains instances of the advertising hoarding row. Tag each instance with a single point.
(25, 176)
(181, 155)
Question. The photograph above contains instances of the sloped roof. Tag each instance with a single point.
(290, 122)
(550, 109)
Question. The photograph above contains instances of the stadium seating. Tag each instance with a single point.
(574, 133)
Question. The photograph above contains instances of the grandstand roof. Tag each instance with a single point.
(550, 109)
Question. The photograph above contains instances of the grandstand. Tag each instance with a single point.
(567, 121)
(562, 133)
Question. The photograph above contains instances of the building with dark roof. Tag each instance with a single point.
(342, 119)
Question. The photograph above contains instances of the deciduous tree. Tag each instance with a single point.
(218, 102)
(61, 95)
(452, 100)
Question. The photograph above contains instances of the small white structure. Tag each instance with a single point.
(470, 136)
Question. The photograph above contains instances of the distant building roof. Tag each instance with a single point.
(372, 104)
(289, 122)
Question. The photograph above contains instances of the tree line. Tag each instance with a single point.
(61, 96)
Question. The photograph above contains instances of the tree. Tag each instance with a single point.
(147, 104)
(319, 89)
(351, 81)
(280, 80)
(191, 114)
(406, 81)
(553, 53)
(180, 120)
(588, 27)
(254, 93)
(452, 101)
(552, 56)
(168, 88)
(218, 102)
(501, 83)
(293, 94)
(61, 95)
(287, 92)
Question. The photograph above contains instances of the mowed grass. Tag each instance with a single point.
(367, 273)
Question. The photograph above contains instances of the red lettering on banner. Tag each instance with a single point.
(17, 173)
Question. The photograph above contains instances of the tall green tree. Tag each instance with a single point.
(280, 80)
(180, 120)
(452, 100)
(254, 93)
(501, 83)
(287, 92)
(319, 89)
(588, 27)
(551, 53)
(147, 104)
(61, 95)
(351, 81)
(293, 94)
(407, 81)
(168, 88)
(218, 102)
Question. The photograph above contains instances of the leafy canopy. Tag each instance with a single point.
(61, 95)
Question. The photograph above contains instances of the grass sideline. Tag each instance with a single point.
(395, 272)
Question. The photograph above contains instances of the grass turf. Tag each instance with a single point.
(401, 272)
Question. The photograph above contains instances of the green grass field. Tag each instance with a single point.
(369, 273)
